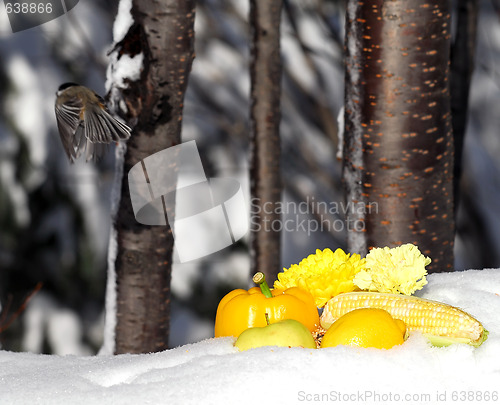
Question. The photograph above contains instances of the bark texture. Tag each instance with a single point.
(266, 184)
(398, 151)
(163, 32)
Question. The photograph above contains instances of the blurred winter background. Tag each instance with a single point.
(54, 217)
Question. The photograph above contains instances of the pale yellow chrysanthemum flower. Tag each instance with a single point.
(400, 270)
(324, 274)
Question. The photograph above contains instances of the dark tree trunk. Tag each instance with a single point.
(265, 117)
(398, 152)
(462, 65)
(163, 32)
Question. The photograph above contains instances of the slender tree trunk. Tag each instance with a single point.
(398, 152)
(462, 66)
(265, 117)
(163, 33)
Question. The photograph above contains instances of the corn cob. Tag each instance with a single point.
(441, 323)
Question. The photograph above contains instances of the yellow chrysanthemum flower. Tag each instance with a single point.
(400, 270)
(324, 274)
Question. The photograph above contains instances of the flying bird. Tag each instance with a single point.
(85, 123)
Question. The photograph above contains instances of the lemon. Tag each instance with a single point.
(365, 327)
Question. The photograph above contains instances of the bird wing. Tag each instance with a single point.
(70, 126)
(101, 127)
(90, 128)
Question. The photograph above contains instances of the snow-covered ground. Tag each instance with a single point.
(214, 372)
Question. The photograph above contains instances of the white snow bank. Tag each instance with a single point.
(213, 372)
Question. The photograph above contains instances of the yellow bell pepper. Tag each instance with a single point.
(241, 309)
